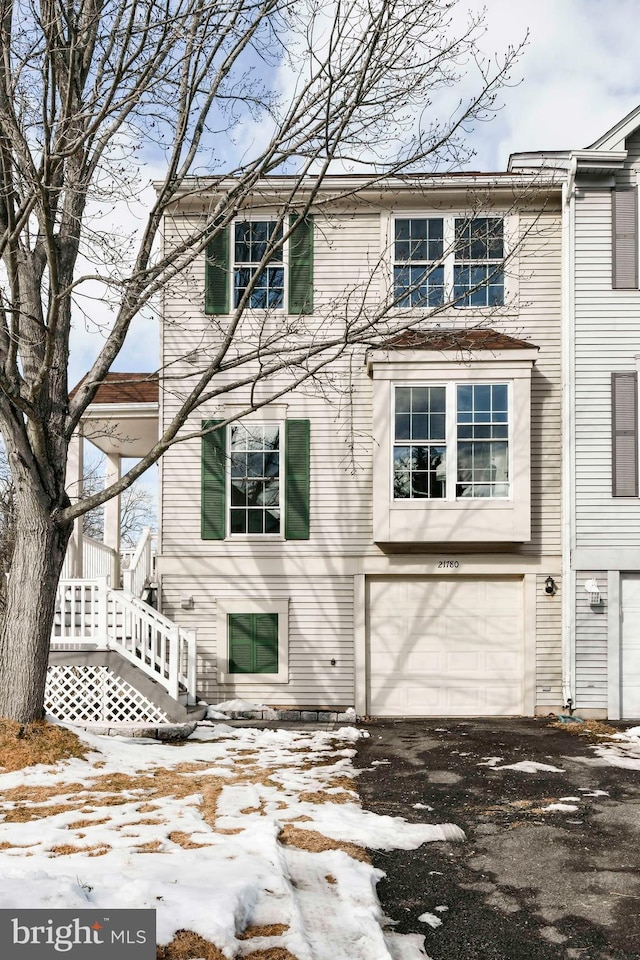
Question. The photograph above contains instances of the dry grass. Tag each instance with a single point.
(68, 849)
(184, 840)
(80, 824)
(23, 745)
(330, 878)
(316, 842)
(594, 730)
(263, 930)
(186, 945)
(323, 796)
(152, 846)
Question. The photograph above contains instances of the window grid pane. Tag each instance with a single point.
(419, 464)
(482, 435)
(478, 279)
(254, 454)
(253, 239)
(418, 246)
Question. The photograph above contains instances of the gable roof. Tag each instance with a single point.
(125, 388)
(614, 138)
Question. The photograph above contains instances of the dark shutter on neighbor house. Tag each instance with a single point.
(296, 479)
(301, 265)
(624, 434)
(625, 238)
(253, 642)
(216, 274)
(212, 506)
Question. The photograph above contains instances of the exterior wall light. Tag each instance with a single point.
(592, 588)
(550, 586)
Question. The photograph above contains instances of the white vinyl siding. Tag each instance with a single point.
(591, 643)
(548, 651)
(320, 630)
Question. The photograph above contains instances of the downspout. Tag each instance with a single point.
(568, 436)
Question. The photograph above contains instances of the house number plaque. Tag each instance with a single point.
(448, 564)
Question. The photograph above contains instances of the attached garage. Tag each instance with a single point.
(445, 646)
(630, 646)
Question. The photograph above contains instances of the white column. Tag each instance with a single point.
(75, 473)
(111, 534)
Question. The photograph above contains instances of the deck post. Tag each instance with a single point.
(174, 662)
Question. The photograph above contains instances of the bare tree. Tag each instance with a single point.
(92, 89)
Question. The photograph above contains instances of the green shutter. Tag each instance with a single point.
(212, 506)
(296, 475)
(241, 631)
(266, 643)
(216, 274)
(301, 265)
(253, 642)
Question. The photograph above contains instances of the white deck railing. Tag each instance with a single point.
(138, 572)
(98, 560)
(93, 616)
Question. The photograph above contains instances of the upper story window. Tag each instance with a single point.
(451, 441)
(441, 258)
(233, 263)
(255, 240)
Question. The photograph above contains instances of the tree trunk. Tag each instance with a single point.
(25, 632)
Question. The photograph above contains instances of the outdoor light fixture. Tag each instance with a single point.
(592, 588)
(550, 586)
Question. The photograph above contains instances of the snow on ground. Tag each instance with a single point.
(234, 829)
(623, 750)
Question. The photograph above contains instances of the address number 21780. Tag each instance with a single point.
(448, 564)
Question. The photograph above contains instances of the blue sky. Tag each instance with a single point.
(579, 74)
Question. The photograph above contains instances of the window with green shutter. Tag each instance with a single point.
(253, 642)
(246, 481)
(233, 263)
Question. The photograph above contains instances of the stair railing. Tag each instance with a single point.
(139, 571)
(90, 615)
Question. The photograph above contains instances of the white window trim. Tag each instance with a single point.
(451, 440)
(510, 232)
(285, 265)
(263, 421)
(223, 608)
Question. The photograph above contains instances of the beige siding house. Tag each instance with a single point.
(387, 535)
(601, 347)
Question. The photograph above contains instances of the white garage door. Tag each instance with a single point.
(445, 647)
(630, 653)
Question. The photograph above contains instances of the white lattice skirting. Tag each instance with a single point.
(93, 694)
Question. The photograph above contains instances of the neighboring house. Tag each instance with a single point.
(391, 541)
(601, 348)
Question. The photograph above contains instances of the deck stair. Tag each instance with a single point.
(114, 658)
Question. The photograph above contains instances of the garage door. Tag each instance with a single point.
(630, 644)
(445, 647)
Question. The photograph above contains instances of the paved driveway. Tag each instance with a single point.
(530, 883)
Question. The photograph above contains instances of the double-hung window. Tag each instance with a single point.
(455, 259)
(254, 478)
(253, 241)
(451, 441)
(478, 278)
(263, 264)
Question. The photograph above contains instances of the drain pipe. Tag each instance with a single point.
(568, 436)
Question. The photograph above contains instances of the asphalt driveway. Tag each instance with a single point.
(529, 883)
